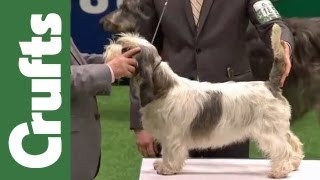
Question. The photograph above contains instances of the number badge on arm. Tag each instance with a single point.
(265, 11)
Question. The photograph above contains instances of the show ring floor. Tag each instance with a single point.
(229, 169)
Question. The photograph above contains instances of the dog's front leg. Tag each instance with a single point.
(173, 157)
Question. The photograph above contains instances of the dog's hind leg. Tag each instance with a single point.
(297, 147)
(173, 157)
(276, 146)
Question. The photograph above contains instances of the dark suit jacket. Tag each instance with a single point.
(89, 77)
(209, 51)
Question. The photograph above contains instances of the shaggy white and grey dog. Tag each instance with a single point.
(183, 114)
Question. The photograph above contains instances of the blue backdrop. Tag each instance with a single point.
(85, 28)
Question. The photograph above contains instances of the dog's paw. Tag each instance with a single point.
(278, 174)
(296, 163)
(162, 169)
(156, 164)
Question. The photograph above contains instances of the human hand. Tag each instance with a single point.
(146, 143)
(124, 65)
(287, 62)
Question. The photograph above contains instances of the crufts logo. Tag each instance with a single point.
(45, 78)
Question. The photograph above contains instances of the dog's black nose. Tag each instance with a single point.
(125, 49)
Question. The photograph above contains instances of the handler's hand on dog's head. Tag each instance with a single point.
(287, 62)
(124, 65)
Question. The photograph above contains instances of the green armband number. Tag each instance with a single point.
(265, 11)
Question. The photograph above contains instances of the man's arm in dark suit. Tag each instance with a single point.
(263, 15)
(147, 27)
(147, 24)
(91, 79)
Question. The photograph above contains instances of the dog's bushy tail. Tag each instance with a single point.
(278, 66)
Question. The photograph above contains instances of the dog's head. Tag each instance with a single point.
(123, 19)
(148, 56)
(148, 59)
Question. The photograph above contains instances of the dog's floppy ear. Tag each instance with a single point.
(145, 61)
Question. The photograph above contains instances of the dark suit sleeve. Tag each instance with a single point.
(93, 58)
(135, 121)
(146, 27)
(91, 79)
(147, 23)
(263, 15)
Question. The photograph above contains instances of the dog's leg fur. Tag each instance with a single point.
(285, 151)
(279, 150)
(173, 157)
(297, 147)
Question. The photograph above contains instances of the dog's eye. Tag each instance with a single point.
(125, 49)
